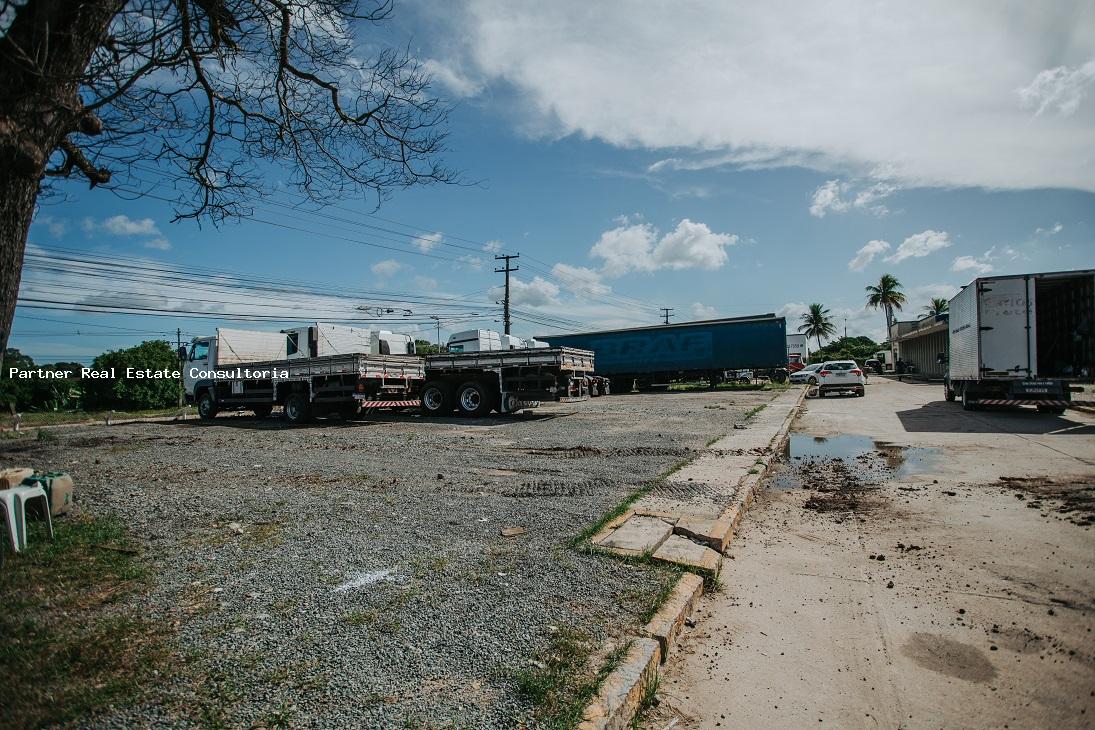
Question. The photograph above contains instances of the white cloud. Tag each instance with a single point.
(425, 284)
(864, 93)
(640, 247)
(866, 254)
(453, 78)
(969, 263)
(56, 227)
(1061, 88)
(123, 225)
(861, 196)
(1051, 231)
(580, 280)
(160, 244)
(703, 311)
(493, 247)
(474, 263)
(428, 241)
(536, 293)
(828, 197)
(919, 245)
(387, 267)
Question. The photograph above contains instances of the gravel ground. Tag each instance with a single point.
(353, 574)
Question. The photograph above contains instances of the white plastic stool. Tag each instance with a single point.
(15, 513)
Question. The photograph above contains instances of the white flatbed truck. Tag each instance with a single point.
(472, 384)
(1021, 340)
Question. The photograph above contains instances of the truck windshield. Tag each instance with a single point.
(199, 351)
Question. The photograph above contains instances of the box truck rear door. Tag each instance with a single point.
(1007, 327)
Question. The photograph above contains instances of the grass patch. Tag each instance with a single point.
(55, 418)
(655, 601)
(625, 504)
(66, 652)
(560, 684)
(752, 412)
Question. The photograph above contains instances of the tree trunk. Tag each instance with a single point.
(45, 52)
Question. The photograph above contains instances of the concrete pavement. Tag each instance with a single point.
(958, 593)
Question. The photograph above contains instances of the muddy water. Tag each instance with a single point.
(864, 458)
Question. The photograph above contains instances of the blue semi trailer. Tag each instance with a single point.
(652, 357)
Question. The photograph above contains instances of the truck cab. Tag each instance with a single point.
(198, 358)
(391, 343)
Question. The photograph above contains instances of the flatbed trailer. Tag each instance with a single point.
(473, 383)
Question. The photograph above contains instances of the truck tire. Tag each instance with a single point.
(436, 398)
(474, 399)
(349, 411)
(297, 408)
(207, 406)
(1056, 410)
(263, 411)
(948, 393)
(779, 375)
(967, 402)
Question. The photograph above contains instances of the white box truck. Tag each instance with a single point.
(1021, 340)
(798, 352)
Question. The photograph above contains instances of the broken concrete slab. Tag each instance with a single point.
(682, 551)
(622, 692)
(640, 535)
(715, 533)
(666, 625)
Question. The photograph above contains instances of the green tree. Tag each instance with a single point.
(937, 305)
(425, 347)
(817, 323)
(887, 296)
(858, 348)
(135, 393)
(15, 395)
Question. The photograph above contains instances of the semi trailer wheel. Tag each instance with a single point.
(263, 411)
(207, 406)
(948, 393)
(967, 402)
(436, 398)
(474, 399)
(297, 408)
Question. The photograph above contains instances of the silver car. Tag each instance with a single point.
(808, 374)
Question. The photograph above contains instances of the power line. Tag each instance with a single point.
(666, 311)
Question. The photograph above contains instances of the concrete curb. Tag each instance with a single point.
(748, 485)
(622, 692)
(666, 625)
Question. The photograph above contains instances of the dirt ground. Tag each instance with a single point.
(914, 565)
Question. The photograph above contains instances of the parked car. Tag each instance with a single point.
(841, 376)
(808, 374)
(744, 376)
(873, 365)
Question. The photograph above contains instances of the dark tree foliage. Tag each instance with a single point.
(124, 393)
(859, 349)
(209, 103)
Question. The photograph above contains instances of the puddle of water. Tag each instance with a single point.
(859, 453)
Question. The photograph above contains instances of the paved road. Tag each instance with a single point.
(979, 614)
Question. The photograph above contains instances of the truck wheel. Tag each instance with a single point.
(967, 402)
(297, 408)
(948, 393)
(1051, 409)
(474, 399)
(207, 406)
(779, 376)
(349, 411)
(436, 398)
(263, 411)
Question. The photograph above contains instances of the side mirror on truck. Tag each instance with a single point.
(182, 352)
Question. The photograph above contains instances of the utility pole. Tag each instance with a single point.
(178, 348)
(506, 270)
(666, 311)
(437, 318)
(845, 328)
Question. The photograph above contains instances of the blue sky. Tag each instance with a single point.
(721, 161)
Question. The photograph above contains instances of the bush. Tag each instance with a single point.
(847, 348)
(132, 393)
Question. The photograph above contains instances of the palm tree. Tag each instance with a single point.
(886, 295)
(817, 323)
(937, 305)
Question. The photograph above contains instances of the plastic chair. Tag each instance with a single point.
(15, 512)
